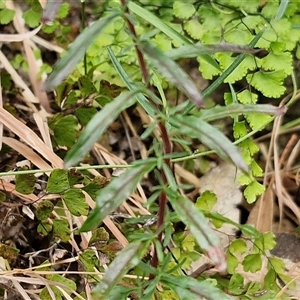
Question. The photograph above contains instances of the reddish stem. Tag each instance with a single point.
(165, 139)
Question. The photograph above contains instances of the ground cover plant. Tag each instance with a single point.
(131, 133)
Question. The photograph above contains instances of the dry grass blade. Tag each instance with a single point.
(112, 159)
(1, 125)
(188, 176)
(29, 97)
(20, 289)
(26, 152)
(33, 63)
(42, 124)
(108, 222)
(30, 138)
(262, 213)
(50, 46)
(19, 37)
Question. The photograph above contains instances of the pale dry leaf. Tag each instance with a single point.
(20, 290)
(29, 137)
(23, 163)
(65, 294)
(222, 181)
(28, 212)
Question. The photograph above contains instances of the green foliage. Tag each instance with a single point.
(25, 182)
(6, 16)
(32, 16)
(100, 76)
(43, 210)
(113, 195)
(61, 230)
(75, 202)
(65, 130)
(206, 201)
(64, 282)
(58, 181)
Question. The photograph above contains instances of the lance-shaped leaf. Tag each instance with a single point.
(51, 10)
(281, 9)
(76, 51)
(115, 193)
(143, 101)
(198, 49)
(194, 127)
(206, 238)
(126, 259)
(97, 126)
(166, 29)
(173, 72)
(219, 112)
(227, 72)
(192, 289)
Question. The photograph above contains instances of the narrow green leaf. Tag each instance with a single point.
(58, 181)
(143, 101)
(247, 229)
(219, 112)
(158, 23)
(76, 51)
(281, 9)
(97, 126)
(51, 10)
(166, 29)
(115, 193)
(211, 137)
(175, 74)
(192, 289)
(226, 73)
(195, 50)
(199, 227)
(126, 259)
(75, 202)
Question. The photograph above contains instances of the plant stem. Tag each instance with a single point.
(167, 145)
